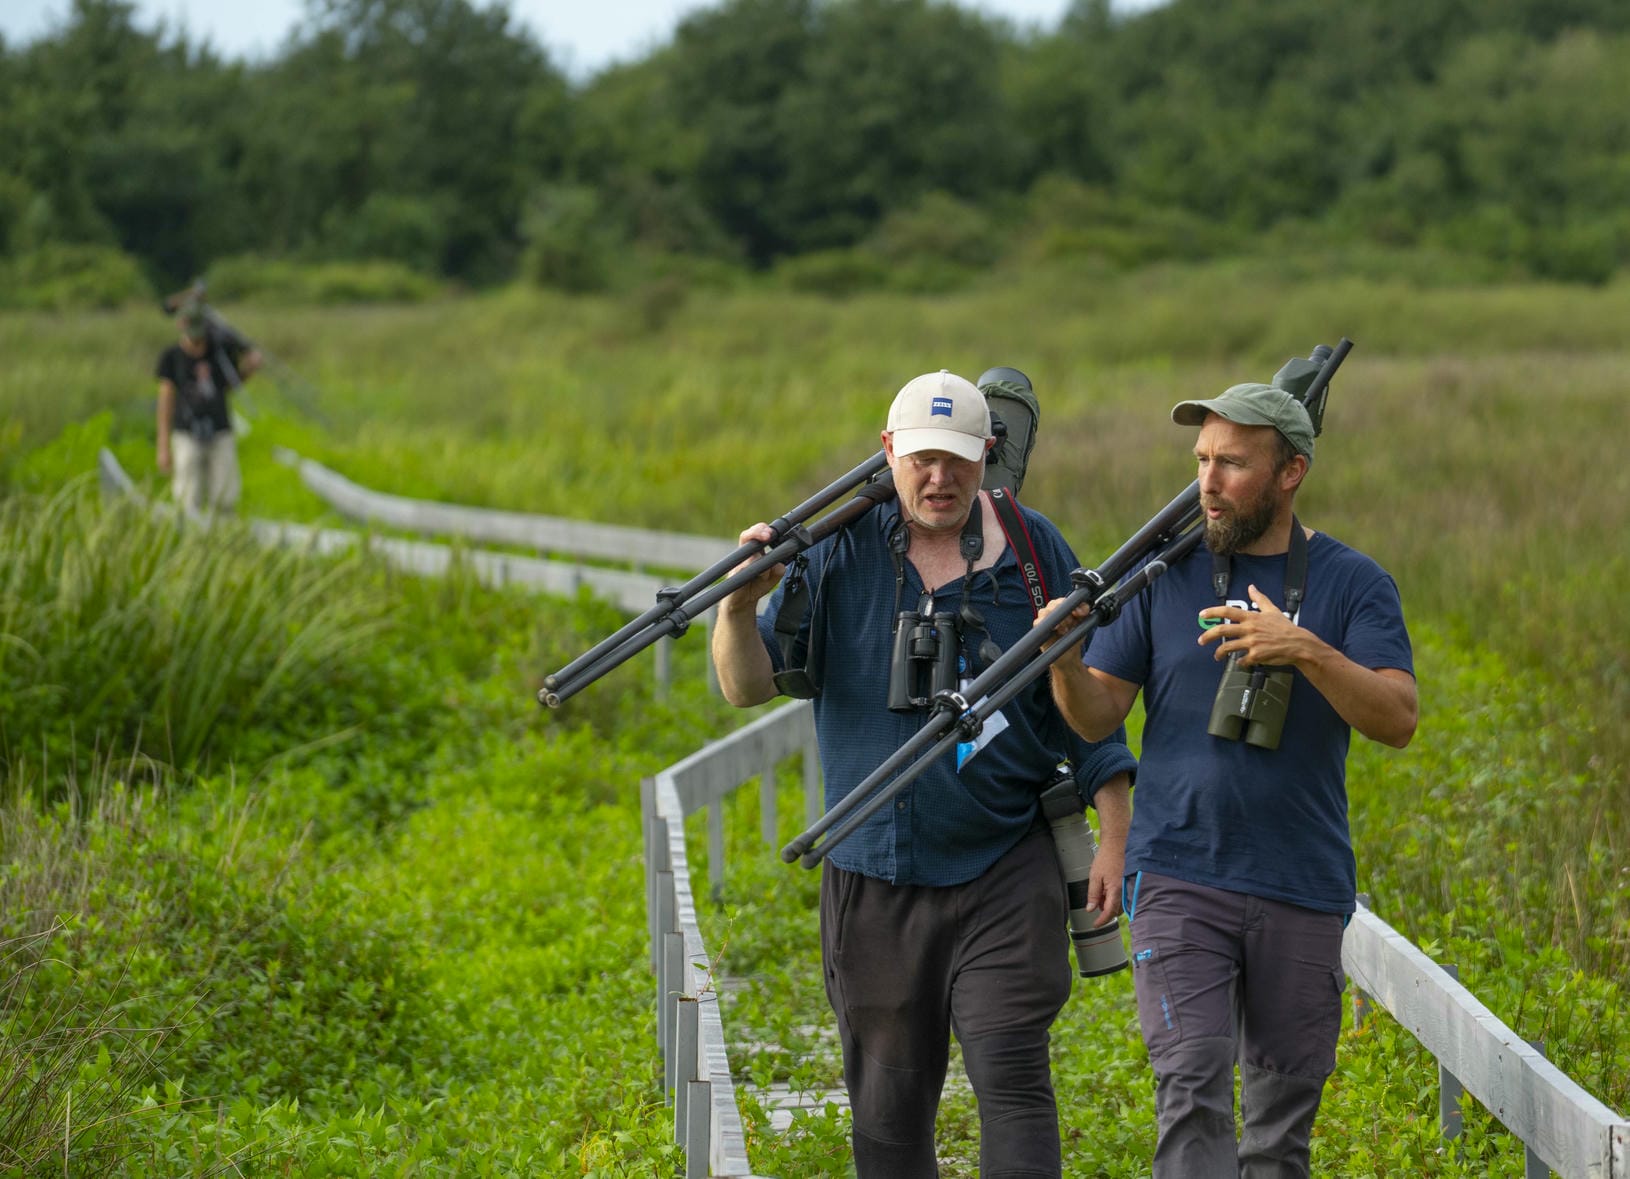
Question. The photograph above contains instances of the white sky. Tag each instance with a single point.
(581, 35)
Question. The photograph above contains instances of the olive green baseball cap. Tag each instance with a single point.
(1254, 404)
(194, 319)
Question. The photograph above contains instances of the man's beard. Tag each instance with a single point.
(1227, 535)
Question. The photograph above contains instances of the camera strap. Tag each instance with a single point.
(796, 681)
(1024, 548)
(1295, 571)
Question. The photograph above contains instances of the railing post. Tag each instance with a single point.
(667, 926)
(1361, 1001)
(1534, 1167)
(1450, 1090)
(715, 849)
(664, 665)
(673, 987)
(698, 1135)
(766, 801)
(685, 1065)
(656, 860)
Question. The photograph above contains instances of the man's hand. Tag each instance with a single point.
(1380, 703)
(1057, 624)
(166, 464)
(1113, 802)
(1104, 887)
(1261, 636)
(749, 592)
(746, 676)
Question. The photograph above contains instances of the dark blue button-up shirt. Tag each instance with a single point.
(949, 825)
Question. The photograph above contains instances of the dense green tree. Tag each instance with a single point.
(439, 134)
(818, 119)
(438, 101)
(897, 99)
(731, 72)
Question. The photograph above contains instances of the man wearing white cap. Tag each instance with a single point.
(943, 913)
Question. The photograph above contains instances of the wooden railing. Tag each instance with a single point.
(1563, 1127)
(542, 534)
(690, 1034)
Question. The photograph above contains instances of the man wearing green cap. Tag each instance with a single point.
(1239, 867)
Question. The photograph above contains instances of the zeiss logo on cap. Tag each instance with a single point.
(941, 408)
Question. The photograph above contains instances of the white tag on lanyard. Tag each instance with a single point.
(993, 727)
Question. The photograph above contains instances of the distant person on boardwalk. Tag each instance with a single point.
(1240, 871)
(196, 376)
(945, 912)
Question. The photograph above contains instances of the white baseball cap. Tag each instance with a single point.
(940, 411)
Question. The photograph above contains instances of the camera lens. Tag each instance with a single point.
(1097, 951)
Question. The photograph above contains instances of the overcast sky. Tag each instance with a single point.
(581, 35)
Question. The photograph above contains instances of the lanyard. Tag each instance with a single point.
(1295, 571)
(971, 544)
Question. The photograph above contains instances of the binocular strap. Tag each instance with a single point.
(1295, 571)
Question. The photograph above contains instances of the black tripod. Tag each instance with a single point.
(676, 606)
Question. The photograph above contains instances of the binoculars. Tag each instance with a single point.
(926, 658)
(1251, 703)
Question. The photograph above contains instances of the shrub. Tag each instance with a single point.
(59, 276)
(1068, 219)
(941, 229)
(568, 243)
(833, 272)
(402, 230)
(125, 631)
(279, 281)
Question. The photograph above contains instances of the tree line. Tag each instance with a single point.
(846, 141)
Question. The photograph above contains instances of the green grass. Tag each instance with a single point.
(337, 778)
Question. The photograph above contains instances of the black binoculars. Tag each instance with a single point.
(1251, 703)
(926, 659)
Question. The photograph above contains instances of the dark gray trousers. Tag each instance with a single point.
(907, 966)
(1223, 977)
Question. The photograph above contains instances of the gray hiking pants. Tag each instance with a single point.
(906, 966)
(1225, 978)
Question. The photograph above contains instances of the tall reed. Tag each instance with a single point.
(121, 629)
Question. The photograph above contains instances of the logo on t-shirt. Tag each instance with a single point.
(1241, 604)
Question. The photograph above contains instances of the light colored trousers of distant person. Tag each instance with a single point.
(206, 473)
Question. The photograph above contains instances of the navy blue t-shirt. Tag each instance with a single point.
(1221, 812)
(949, 825)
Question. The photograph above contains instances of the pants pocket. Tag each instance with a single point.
(1157, 1012)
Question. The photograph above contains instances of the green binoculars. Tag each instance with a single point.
(1250, 704)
